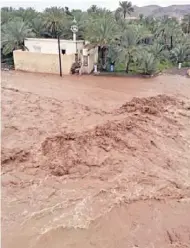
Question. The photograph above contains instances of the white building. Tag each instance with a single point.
(50, 46)
(42, 56)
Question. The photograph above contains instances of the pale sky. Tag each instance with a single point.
(84, 4)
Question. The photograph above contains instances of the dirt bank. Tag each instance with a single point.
(88, 163)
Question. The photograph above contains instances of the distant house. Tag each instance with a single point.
(42, 55)
(131, 18)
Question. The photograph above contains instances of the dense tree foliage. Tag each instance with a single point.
(125, 8)
(139, 45)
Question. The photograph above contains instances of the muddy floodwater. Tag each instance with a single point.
(95, 161)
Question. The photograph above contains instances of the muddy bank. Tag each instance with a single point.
(81, 172)
(176, 71)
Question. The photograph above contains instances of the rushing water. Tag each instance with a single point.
(120, 178)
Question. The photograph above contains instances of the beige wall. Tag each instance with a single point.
(92, 59)
(39, 62)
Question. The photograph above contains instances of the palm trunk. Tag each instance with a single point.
(102, 57)
(127, 68)
(171, 42)
(165, 39)
(128, 63)
(54, 31)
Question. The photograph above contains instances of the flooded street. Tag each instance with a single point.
(95, 161)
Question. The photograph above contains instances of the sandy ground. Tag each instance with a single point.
(95, 161)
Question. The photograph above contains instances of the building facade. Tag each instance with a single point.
(50, 46)
(42, 56)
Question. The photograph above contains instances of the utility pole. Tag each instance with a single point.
(60, 66)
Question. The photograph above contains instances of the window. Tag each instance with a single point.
(63, 51)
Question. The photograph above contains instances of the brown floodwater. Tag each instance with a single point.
(94, 161)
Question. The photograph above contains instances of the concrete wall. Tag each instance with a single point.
(92, 59)
(50, 46)
(39, 62)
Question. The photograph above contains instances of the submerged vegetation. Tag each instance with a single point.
(135, 45)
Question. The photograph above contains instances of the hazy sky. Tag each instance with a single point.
(84, 4)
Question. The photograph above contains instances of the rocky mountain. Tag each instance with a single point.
(157, 11)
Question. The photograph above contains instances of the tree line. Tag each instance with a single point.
(141, 45)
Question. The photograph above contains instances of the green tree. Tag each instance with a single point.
(38, 27)
(147, 63)
(125, 8)
(5, 17)
(13, 35)
(113, 54)
(180, 53)
(156, 49)
(67, 11)
(151, 23)
(54, 19)
(141, 17)
(7, 9)
(186, 23)
(128, 47)
(27, 15)
(169, 30)
(93, 9)
(102, 31)
(129, 43)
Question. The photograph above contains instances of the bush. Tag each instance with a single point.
(119, 67)
(186, 64)
(147, 63)
(163, 65)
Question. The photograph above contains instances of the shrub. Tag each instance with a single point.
(186, 64)
(147, 63)
(163, 65)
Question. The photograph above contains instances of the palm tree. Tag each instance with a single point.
(180, 53)
(102, 31)
(67, 11)
(54, 18)
(150, 23)
(186, 23)
(117, 15)
(7, 9)
(169, 30)
(156, 49)
(147, 63)
(5, 17)
(38, 27)
(125, 8)
(141, 17)
(127, 47)
(113, 54)
(130, 42)
(93, 9)
(27, 15)
(13, 35)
